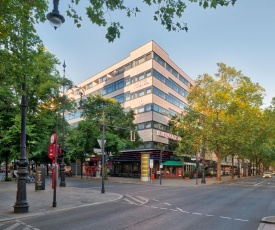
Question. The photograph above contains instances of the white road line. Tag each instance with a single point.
(241, 220)
(209, 215)
(133, 198)
(175, 210)
(164, 208)
(142, 198)
(26, 228)
(224, 217)
(131, 202)
(154, 207)
(167, 203)
(260, 182)
(182, 210)
(13, 226)
(196, 213)
(155, 200)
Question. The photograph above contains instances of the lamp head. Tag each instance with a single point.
(55, 19)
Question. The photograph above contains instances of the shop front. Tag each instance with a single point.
(172, 169)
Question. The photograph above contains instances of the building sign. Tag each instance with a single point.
(168, 135)
(142, 83)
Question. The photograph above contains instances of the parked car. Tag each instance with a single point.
(267, 175)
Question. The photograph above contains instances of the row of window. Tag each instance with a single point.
(170, 98)
(170, 83)
(154, 124)
(156, 108)
(153, 144)
(170, 69)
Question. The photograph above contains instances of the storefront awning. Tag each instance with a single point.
(173, 163)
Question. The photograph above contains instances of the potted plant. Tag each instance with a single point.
(187, 175)
(208, 174)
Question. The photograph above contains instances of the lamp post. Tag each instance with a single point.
(54, 17)
(21, 205)
(62, 166)
(197, 166)
(102, 146)
(160, 165)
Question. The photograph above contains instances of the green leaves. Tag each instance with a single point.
(167, 12)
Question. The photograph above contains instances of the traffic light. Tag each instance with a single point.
(132, 136)
(60, 153)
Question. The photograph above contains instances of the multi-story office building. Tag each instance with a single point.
(151, 84)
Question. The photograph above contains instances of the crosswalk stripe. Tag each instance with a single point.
(133, 198)
(13, 226)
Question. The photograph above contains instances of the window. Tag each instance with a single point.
(141, 110)
(148, 107)
(127, 80)
(140, 60)
(148, 125)
(120, 71)
(182, 79)
(103, 78)
(90, 85)
(127, 96)
(120, 98)
(159, 59)
(140, 93)
(148, 56)
(148, 73)
(148, 90)
(128, 66)
(140, 77)
(140, 126)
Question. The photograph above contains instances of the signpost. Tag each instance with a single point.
(151, 166)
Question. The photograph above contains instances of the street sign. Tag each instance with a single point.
(161, 165)
(151, 163)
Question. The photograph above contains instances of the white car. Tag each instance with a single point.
(267, 175)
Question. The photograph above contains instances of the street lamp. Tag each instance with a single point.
(195, 158)
(21, 205)
(62, 166)
(102, 146)
(54, 17)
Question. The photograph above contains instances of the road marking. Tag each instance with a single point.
(224, 217)
(241, 220)
(144, 200)
(182, 210)
(154, 207)
(260, 183)
(167, 204)
(209, 215)
(13, 226)
(196, 213)
(164, 208)
(26, 228)
(131, 202)
(175, 210)
(155, 200)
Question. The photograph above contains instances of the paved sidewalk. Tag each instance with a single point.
(41, 201)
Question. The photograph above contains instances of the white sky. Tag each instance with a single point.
(242, 36)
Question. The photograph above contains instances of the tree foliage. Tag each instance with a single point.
(167, 12)
(230, 115)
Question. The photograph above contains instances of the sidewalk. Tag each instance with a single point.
(41, 201)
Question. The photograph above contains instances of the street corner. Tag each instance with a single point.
(269, 220)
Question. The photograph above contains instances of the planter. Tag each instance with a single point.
(186, 178)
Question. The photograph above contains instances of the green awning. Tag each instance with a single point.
(173, 163)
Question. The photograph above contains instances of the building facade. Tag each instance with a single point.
(151, 84)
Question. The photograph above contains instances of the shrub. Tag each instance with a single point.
(187, 174)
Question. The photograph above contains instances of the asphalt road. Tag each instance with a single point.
(231, 205)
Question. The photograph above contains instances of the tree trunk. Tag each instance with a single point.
(249, 167)
(219, 167)
(81, 173)
(7, 159)
(244, 167)
(232, 167)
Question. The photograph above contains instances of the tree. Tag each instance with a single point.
(230, 105)
(167, 12)
(118, 123)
